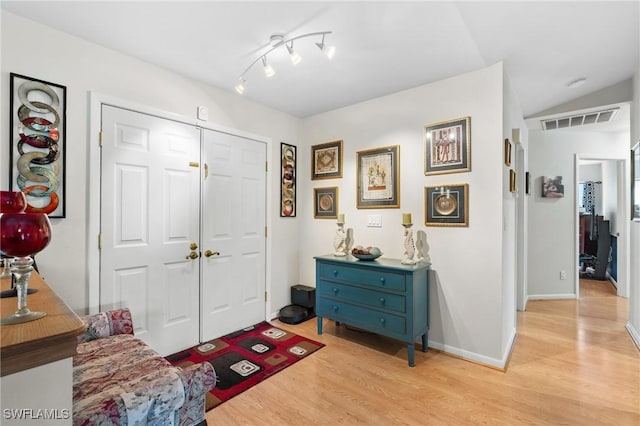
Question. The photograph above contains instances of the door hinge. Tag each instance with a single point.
(100, 138)
(194, 164)
(100, 241)
(206, 170)
(265, 232)
(265, 296)
(266, 166)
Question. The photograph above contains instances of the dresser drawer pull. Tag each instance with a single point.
(382, 320)
(382, 280)
(335, 308)
(382, 300)
(335, 291)
(334, 272)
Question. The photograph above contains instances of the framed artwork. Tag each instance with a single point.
(378, 178)
(507, 153)
(448, 147)
(38, 143)
(326, 160)
(635, 182)
(287, 180)
(325, 203)
(512, 181)
(446, 205)
(552, 187)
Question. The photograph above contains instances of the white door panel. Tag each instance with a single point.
(149, 218)
(233, 212)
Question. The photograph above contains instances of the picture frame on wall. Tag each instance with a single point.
(512, 181)
(552, 187)
(448, 147)
(325, 203)
(446, 205)
(37, 155)
(378, 178)
(507, 153)
(287, 180)
(326, 160)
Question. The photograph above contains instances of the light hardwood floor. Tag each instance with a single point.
(573, 364)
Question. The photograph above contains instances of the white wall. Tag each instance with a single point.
(85, 67)
(634, 288)
(466, 283)
(552, 221)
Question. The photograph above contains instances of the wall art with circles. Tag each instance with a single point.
(38, 143)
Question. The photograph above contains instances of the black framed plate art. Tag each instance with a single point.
(378, 174)
(38, 143)
(446, 205)
(325, 204)
(287, 180)
(448, 147)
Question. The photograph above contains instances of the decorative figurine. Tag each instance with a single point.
(409, 244)
(339, 241)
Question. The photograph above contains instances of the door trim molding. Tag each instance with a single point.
(96, 100)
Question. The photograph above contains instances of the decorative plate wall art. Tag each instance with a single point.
(38, 143)
(446, 205)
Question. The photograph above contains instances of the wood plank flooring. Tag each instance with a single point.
(573, 364)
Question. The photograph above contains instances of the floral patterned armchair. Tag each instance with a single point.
(119, 380)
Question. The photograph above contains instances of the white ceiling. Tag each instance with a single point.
(382, 47)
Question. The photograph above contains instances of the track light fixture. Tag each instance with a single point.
(277, 41)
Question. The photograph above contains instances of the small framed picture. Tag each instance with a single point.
(287, 180)
(446, 205)
(326, 160)
(507, 153)
(512, 181)
(448, 147)
(552, 187)
(378, 177)
(325, 203)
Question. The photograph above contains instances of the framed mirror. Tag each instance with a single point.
(635, 182)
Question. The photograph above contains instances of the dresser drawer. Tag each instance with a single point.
(362, 317)
(362, 296)
(374, 278)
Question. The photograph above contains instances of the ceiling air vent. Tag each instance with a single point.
(580, 120)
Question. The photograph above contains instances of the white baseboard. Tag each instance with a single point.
(635, 335)
(550, 296)
(476, 357)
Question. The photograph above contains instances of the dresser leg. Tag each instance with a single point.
(424, 343)
(319, 324)
(410, 354)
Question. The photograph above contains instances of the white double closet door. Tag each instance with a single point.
(182, 228)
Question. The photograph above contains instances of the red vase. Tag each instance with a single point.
(12, 202)
(24, 234)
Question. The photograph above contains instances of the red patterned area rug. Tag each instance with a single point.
(246, 357)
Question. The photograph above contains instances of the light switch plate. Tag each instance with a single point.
(374, 221)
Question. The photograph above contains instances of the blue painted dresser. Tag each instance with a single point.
(383, 296)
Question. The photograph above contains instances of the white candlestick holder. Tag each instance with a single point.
(339, 241)
(409, 246)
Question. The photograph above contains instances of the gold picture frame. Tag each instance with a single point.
(378, 178)
(446, 205)
(325, 203)
(448, 147)
(507, 153)
(326, 160)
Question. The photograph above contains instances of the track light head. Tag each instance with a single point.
(295, 58)
(240, 86)
(268, 69)
(329, 51)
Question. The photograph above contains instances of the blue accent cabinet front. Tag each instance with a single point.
(382, 296)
